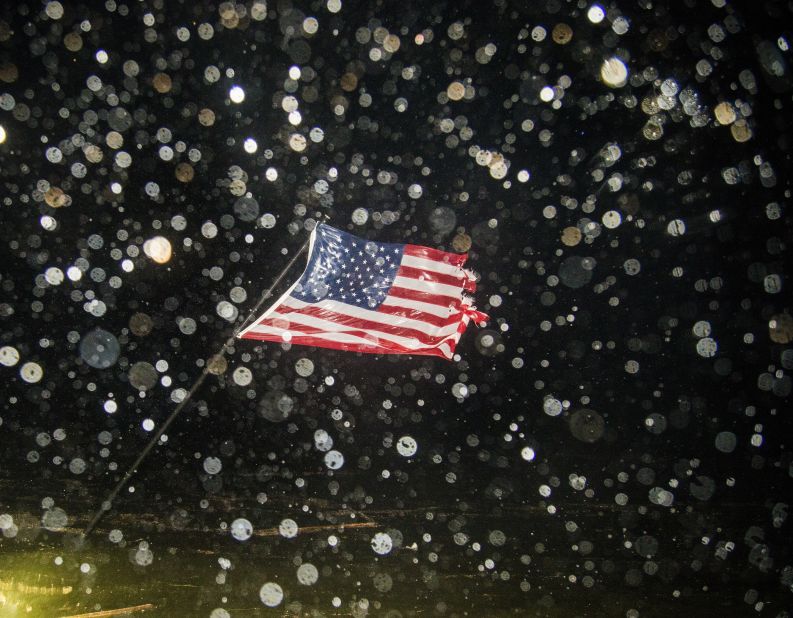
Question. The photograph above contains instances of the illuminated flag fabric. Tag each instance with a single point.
(380, 298)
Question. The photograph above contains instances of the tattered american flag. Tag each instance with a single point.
(380, 298)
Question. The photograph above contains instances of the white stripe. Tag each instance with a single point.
(430, 287)
(342, 337)
(432, 265)
(294, 331)
(459, 334)
(328, 326)
(417, 305)
(366, 314)
(291, 334)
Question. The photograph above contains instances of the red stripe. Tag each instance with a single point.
(425, 297)
(455, 259)
(426, 275)
(407, 312)
(353, 322)
(278, 322)
(349, 347)
(415, 314)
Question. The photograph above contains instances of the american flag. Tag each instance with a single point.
(365, 296)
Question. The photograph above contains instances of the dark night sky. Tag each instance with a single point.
(623, 443)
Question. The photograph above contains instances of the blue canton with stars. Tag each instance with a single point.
(348, 269)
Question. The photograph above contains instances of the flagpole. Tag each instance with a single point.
(108, 501)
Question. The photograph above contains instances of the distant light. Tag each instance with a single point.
(614, 73)
(48, 223)
(546, 94)
(158, 249)
(310, 25)
(101, 56)
(2, 134)
(237, 94)
(250, 145)
(596, 14)
(147, 424)
(297, 142)
(259, 10)
(295, 72)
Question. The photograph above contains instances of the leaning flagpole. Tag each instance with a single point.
(108, 501)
